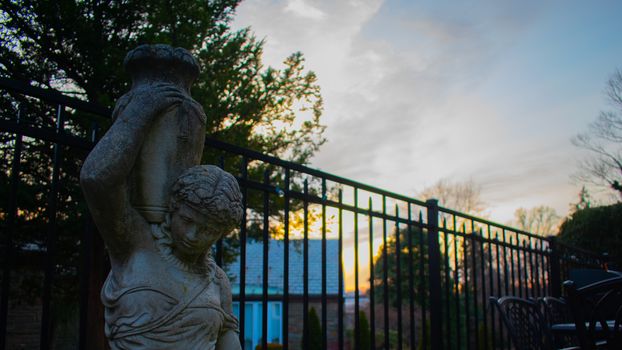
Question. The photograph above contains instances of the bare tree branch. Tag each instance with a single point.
(604, 140)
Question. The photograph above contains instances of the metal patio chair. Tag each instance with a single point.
(525, 323)
(556, 311)
(597, 311)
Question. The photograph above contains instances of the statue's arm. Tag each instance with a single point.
(228, 341)
(104, 175)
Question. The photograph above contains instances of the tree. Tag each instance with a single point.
(365, 333)
(420, 291)
(597, 229)
(541, 220)
(78, 47)
(585, 201)
(314, 332)
(460, 196)
(604, 141)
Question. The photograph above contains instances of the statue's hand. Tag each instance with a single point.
(149, 101)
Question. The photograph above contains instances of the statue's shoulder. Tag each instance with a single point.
(217, 274)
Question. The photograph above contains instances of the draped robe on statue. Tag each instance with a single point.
(160, 313)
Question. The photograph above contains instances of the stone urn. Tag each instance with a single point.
(175, 140)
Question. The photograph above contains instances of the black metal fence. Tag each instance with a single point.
(409, 274)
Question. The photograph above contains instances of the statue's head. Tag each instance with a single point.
(206, 204)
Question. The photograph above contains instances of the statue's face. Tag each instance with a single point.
(191, 232)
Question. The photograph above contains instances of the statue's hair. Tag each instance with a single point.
(211, 191)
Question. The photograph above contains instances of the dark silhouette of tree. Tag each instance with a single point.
(597, 229)
(365, 334)
(314, 332)
(604, 141)
(541, 220)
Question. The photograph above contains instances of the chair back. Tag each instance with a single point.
(557, 311)
(524, 322)
(597, 312)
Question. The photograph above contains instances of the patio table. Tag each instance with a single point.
(571, 328)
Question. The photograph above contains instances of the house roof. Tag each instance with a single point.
(254, 268)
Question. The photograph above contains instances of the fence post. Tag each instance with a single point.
(556, 279)
(434, 273)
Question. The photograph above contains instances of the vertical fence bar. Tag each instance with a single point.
(536, 268)
(456, 292)
(506, 277)
(411, 279)
(10, 233)
(491, 290)
(305, 311)
(526, 270)
(541, 269)
(533, 279)
(513, 264)
(385, 273)
(519, 269)
(372, 299)
(324, 316)
(341, 299)
(357, 328)
(447, 284)
(285, 324)
(544, 273)
(498, 293)
(266, 252)
(555, 270)
(467, 312)
(46, 317)
(242, 284)
(434, 272)
(422, 294)
(473, 237)
(484, 294)
(398, 279)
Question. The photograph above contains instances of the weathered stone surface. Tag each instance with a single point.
(175, 139)
(159, 213)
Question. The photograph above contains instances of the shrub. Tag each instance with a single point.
(598, 229)
(314, 332)
(365, 334)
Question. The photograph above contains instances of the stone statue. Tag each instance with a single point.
(164, 291)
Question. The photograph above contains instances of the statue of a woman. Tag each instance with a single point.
(163, 291)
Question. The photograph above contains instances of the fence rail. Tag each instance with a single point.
(420, 273)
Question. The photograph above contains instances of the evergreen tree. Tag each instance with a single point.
(79, 46)
(314, 332)
(365, 333)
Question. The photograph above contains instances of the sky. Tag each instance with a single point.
(417, 91)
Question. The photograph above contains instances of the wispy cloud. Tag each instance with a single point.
(303, 9)
(409, 93)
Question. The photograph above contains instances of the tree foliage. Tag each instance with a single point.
(419, 256)
(79, 46)
(598, 229)
(314, 331)
(541, 220)
(364, 332)
(604, 141)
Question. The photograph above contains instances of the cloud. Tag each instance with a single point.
(402, 86)
(302, 9)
